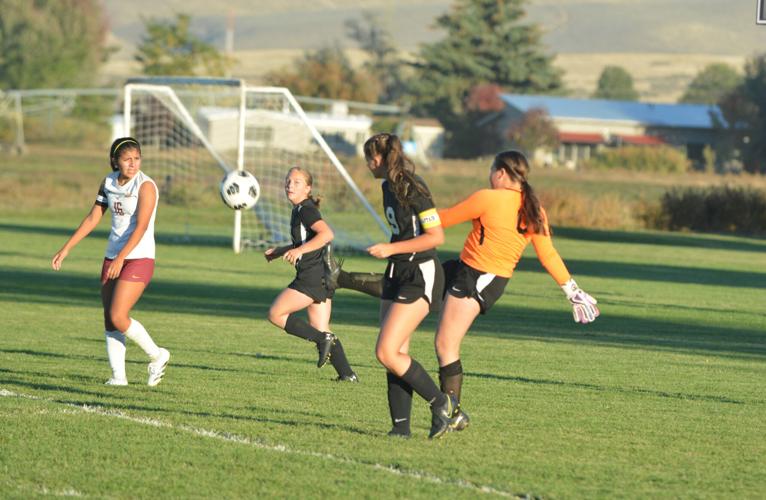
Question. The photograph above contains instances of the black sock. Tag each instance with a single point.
(296, 326)
(451, 378)
(399, 403)
(369, 283)
(339, 360)
(423, 384)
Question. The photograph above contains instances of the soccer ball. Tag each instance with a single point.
(240, 189)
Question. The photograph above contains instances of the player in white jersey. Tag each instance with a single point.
(128, 266)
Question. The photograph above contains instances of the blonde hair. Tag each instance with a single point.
(309, 182)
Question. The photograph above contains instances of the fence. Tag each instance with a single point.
(88, 117)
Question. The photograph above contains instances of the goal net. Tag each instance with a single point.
(193, 131)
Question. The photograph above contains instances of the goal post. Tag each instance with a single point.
(193, 131)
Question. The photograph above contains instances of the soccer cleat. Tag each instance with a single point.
(332, 269)
(441, 417)
(116, 381)
(157, 367)
(347, 378)
(398, 433)
(324, 346)
(460, 419)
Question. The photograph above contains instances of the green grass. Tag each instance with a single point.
(662, 396)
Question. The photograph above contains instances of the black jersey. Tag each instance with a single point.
(304, 215)
(409, 221)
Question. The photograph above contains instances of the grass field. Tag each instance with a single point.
(662, 397)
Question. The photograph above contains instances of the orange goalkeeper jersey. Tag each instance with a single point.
(494, 245)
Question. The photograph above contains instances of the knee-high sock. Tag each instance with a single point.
(451, 378)
(423, 384)
(115, 351)
(138, 334)
(339, 360)
(399, 403)
(298, 327)
(369, 283)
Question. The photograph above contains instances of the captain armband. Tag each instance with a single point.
(429, 218)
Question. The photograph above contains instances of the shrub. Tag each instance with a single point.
(717, 209)
(660, 159)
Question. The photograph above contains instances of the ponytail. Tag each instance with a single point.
(531, 213)
(400, 170)
(530, 216)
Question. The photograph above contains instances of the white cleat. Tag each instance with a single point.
(116, 381)
(157, 367)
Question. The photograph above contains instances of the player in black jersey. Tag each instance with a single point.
(413, 282)
(309, 290)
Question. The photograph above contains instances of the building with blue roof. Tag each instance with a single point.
(587, 125)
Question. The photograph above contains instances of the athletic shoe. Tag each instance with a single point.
(324, 346)
(441, 417)
(460, 419)
(347, 378)
(396, 433)
(157, 367)
(116, 381)
(332, 269)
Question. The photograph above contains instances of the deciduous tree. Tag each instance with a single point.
(51, 43)
(615, 83)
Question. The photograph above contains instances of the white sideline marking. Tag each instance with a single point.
(233, 438)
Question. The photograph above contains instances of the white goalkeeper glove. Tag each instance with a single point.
(584, 307)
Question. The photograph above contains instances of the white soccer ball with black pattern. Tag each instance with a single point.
(240, 189)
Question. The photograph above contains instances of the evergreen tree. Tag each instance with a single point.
(711, 84)
(51, 43)
(170, 49)
(615, 83)
(486, 42)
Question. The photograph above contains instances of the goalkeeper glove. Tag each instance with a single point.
(584, 307)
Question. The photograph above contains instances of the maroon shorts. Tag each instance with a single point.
(140, 270)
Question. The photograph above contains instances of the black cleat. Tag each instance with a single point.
(460, 419)
(396, 432)
(441, 417)
(332, 269)
(324, 346)
(348, 378)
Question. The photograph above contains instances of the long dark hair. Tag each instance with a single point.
(309, 182)
(400, 171)
(120, 145)
(530, 216)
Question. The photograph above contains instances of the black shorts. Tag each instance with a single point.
(406, 282)
(486, 288)
(311, 282)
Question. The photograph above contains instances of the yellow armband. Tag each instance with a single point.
(429, 218)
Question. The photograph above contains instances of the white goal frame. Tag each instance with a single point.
(164, 86)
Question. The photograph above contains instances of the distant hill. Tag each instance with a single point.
(662, 42)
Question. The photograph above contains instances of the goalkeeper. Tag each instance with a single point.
(505, 218)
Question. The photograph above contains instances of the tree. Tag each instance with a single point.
(383, 64)
(744, 111)
(711, 84)
(615, 83)
(170, 49)
(326, 72)
(486, 42)
(534, 130)
(51, 43)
